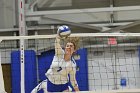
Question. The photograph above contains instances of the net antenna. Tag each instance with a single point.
(2, 88)
(22, 32)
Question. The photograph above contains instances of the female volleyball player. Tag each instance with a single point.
(62, 65)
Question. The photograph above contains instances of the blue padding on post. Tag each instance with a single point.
(44, 62)
(30, 71)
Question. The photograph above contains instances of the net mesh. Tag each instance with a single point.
(112, 62)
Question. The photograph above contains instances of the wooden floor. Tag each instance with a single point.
(7, 77)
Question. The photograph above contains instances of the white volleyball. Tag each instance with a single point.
(64, 31)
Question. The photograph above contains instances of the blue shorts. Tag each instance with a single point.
(56, 88)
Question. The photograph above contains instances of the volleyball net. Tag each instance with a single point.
(106, 61)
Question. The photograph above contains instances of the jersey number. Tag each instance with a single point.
(59, 69)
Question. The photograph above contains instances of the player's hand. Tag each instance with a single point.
(76, 88)
(58, 36)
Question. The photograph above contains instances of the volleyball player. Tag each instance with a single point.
(63, 64)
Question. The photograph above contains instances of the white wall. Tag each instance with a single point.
(7, 13)
(101, 67)
(1, 14)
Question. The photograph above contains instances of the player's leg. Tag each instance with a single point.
(42, 85)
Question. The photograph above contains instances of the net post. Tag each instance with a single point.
(22, 32)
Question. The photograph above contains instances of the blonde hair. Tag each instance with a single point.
(74, 40)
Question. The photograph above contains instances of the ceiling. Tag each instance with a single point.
(87, 15)
(82, 16)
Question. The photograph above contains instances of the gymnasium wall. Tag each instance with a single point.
(103, 63)
(7, 13)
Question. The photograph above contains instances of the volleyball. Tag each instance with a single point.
(64, 31)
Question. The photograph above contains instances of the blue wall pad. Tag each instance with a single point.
(45, 59)
(82, 74)
(30, 71)
(44, 62)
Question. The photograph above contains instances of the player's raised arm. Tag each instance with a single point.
(62, 33)
(58, 48)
